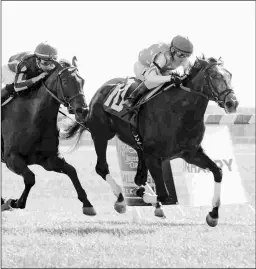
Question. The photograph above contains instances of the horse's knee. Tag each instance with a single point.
(102, 169)
(141, 178)
(29, 178)
(53, 163)
(217, 172)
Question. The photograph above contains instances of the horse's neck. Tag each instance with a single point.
(38, 105)
(45, 104)
(187, 104)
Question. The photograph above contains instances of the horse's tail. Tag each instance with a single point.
(71, 131)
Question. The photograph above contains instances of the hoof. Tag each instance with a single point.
(89, 211)
(7, 205)
(138, 191)
(120, 207)
(159, 212)
(211, 221)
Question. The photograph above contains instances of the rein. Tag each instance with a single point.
(66, 102)
(215, 95)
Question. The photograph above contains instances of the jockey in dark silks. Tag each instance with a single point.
(30, 68)
(156, 64)
(26, 69)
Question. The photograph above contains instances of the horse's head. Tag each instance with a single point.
(67, 85)
(211, 79)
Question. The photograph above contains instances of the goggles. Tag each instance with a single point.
(182, 54)
(45, 62)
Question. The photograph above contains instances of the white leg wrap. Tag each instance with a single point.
(115, 187)
(148, 189)
(150, 199)
(216, 197)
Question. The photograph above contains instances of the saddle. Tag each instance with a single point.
(114, 104)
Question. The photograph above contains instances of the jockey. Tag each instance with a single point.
(29, 68)
(156, 64)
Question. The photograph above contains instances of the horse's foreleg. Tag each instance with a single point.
(101, 169)
(143, 190)
(59, 165)
(154, 165)
(16, 164)
(203, 161)
(142, 170)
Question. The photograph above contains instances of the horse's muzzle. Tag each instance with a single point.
(231, 103)
(81, 114)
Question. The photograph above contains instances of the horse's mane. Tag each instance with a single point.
(197, 63)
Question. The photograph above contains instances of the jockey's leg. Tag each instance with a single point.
(203, 161)
(140, 91)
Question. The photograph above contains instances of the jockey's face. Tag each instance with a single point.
(179, 58)
(46, 65)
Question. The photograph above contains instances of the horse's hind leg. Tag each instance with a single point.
(16, 164)
(59, 165)
(203, 161)
(101, 168)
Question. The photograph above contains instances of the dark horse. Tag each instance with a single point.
(171, 125)
(30, 134)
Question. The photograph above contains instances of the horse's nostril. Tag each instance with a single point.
(229, 104)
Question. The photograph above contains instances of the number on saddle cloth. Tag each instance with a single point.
(116, 98)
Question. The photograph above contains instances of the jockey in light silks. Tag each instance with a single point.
(156, 64)
(25, 70)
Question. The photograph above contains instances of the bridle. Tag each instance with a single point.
(216, 96)
(65, 101)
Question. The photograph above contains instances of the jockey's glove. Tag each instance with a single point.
(176, 80)
(41, 76)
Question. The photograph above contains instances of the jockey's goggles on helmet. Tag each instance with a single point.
(45, 62)
(182, 54)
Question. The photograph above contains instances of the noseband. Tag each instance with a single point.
(207, 78)
(65, 101)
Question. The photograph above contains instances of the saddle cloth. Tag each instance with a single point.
(114, 102)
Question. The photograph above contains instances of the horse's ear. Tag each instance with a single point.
(74, 61)
(197, 63)
(221, 60)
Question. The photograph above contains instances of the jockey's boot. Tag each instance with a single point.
(6, 92)
(135, 96)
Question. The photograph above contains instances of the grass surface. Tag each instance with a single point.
(52, 232)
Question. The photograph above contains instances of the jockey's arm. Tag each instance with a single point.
(21, 82)
(153, 75)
